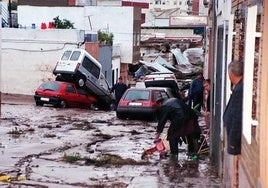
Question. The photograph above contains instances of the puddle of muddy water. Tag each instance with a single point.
(85, 136)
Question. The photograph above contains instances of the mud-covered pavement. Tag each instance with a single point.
(51, 147)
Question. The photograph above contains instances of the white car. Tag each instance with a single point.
(162, 79)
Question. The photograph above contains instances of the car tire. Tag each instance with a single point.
(63, 104)
(94, 107)
(112, 106)
(81, 82)
(38, 103)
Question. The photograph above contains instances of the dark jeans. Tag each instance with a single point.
(191, 140)
(198, 100)
(174, 145)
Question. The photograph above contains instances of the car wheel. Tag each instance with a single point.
(38, 103)
(63, 104)
(81, 82)
(93, 107)
(112, 106)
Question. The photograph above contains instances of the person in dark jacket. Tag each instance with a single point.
(232, 117)
(119, 88)
(196, 92)
(183, 122)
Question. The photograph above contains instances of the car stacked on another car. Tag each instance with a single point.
(140, 103)
(62, 94)
(79, 67)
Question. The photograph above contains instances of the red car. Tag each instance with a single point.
(62, 94)
(140, 103)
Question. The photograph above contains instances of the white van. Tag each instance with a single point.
(78, 66)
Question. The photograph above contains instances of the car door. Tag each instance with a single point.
(72, 97)
(84, 99)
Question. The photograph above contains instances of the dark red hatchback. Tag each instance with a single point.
(62, 94)
(140, 103)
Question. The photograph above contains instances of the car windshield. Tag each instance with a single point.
(137, 95)
(53, 86)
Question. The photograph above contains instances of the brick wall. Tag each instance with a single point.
(93, 49)
(250, 162)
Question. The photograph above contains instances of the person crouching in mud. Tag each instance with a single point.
(183, 123)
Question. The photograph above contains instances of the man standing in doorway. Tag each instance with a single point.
(119, 89)
(232, 116)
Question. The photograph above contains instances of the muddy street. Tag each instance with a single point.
(53, 147)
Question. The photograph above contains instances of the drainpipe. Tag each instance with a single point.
(9, 11)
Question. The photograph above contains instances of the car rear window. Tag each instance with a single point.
(158, 94)
(53, 86)
(66, 55)
(75, 55)
(137, 95)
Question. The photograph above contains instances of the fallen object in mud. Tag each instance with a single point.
(159, 147)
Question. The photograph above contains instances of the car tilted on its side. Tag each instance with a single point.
(62, 94)
(79, 67)
(140, 103)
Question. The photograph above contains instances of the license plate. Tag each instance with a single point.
(44, 99)
(135, 104)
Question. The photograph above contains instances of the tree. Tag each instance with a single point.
(62, 24)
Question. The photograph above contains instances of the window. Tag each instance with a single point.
(70, 89)
(160, 95)
(50, 86)
(103, 82)
(66, 55)
(81, 91)
(91, 67)
(137, 95)
(75, 56)
(252, 48)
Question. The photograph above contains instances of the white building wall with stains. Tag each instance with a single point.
(29, 56)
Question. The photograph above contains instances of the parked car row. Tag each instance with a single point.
(80, 82)
(78, 67)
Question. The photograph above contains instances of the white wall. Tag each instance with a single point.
(29, 56)
(116, 20)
